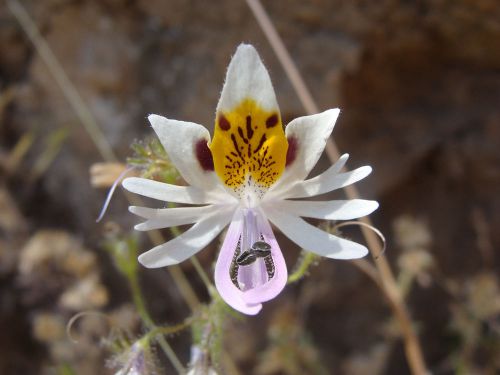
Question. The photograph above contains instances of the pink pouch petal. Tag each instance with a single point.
(228, 291)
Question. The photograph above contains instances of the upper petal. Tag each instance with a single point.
(307, 138)
(188, 243)
(247, 77)
(249, 145)
(313, 239)
(186, 144)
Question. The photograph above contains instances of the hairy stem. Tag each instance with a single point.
(306, 260)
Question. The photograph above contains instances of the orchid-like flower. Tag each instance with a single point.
(250, 174)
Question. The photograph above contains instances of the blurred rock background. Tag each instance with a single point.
(419, 86)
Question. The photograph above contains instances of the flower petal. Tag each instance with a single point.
(281, 188)
(275, 285)
(249, 145)
(169, 217)
(326, 182)
(307, 138)
(313, 239)
(172, 193)
(329, 210)
(186, 144)
(228, 291)
(188, 243)
(247, 78)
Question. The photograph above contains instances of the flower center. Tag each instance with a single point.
(252, 263)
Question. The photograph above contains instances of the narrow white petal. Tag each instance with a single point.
(247, 78)
(329, 210)
(169, 217)
(281, 188)
(186, 146)
(188, 243)
(307, 137)
(313, 239)
(326, 182)
(167, 192)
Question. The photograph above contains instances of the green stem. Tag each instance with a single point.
(305, 261)
(140, 305)
(201, 272)
(170, 329)
(138, 299)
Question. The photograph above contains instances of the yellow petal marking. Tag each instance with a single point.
(249, 144)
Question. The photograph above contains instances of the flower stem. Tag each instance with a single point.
(140, 305)
(306, 260)
(138, 299)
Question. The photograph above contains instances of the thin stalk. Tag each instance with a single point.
(387, 281)
(306, 260)
(140, 305)
(138, 300)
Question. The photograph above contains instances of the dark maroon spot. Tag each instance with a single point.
(223, 122)
(240, 132)
(261, 143)
(249, 127)
(291, 153)
(236, 148)
(272, 121)
(204, 155)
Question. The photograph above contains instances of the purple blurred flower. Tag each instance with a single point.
(252, 172)
(136, 360)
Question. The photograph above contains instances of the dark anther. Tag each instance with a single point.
(246, 258)
(259, 249)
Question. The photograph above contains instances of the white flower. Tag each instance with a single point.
(252, 172)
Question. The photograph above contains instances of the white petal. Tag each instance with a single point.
(188, 243)
(281, 188)
(169, 193)
(180, 139)
(313, 239)
(308, 135)
(247, 78)
(169, 217)
(330, 210)
(326, 182)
